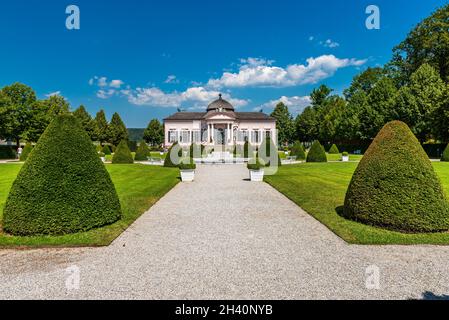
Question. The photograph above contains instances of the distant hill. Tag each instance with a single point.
(135, 134)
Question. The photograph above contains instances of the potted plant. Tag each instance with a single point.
(256, 170)
(345, 157)
(187, 168)
(102, 156)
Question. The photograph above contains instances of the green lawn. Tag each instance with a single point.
(153, 155)
(320, 188)
(138, 187)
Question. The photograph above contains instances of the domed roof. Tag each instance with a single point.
(220, 104)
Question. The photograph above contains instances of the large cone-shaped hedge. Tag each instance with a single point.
(298, 151)
(316, 153)
(63, 187)
(445, 156)
(122, 154)
(26, 152)
(143, 152)
(395, 186)
(334, 149)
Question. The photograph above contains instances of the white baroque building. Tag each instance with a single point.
(219, 126)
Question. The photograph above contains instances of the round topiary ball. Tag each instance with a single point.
(143, 152)
(316, 153)
(445, 156)
(63, 187)
(122, 154)
(298, 151)
(395, 186)
(26, 152)
(334, 150)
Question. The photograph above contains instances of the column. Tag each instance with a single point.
(208, 133)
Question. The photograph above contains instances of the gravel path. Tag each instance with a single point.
(223, 237)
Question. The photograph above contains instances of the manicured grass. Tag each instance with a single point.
(337, 157)
(138, 187)
(320, 189)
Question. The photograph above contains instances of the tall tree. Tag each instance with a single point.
(306, 125)
(364, 81)
(419, 101)
(101, 127)
(17, 103)
(86, 121)
(284, 123)
(428, 43)
(117, 130)
(154, 133)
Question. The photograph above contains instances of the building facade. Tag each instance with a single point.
(220, 125)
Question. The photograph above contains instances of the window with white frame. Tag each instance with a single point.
(268, 133)
(172, 136)
(196, 136)
(185, 136)
(255, 136)
(242, 135)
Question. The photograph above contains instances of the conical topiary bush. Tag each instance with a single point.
(143, 152)
(122, 154)
(334, 150)
(316, 153)
(63, 187)
(26, 152)
(445, 156)
(395, 186)
(172, 160)
(298, 151)
(106, 150)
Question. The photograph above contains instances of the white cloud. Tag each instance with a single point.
(52, 94)
(260, 73)
(296, 104)
(311, 38)
(195, 97)
(116, 84)
(105, 94)
(171, 79)
(330, 43)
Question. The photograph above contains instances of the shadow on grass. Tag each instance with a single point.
(431, 296)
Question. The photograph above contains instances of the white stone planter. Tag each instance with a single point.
(345, 158)
(256, 175)
(103, 159)
(187, 175)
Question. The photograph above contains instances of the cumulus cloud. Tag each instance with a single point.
(296, 104)
(52, 94)
(195, 97)
(260, 72)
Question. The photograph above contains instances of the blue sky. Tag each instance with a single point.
(144, 59)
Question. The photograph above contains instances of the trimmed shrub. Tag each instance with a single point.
(316, 153)
(7, 152)
(26, 152)
(395, 186)
(334, 150)
(122, 154)
(255, 164)
(298, 151)
(63, 187)
(345, 154)
(248, 150)
(143, 152)
(271, 151)
(132, 145)
(106, 150)
(445, 156)
(168, 159)
(99, 148)
(187, 163)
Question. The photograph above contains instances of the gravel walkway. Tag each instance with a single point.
(223, 237)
